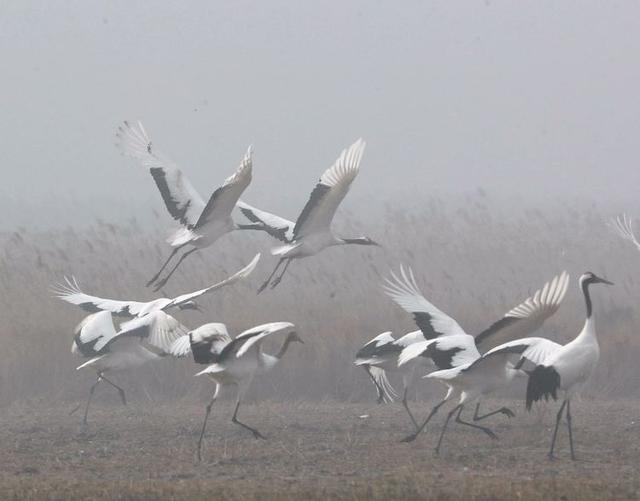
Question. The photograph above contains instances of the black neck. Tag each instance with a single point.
(587, 297)
(283, 348)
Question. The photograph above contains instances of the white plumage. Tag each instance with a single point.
(232, 361)
(136, 342)
(201, 224)
(70, 292)
(380, 355)
(454, 352)
(566, 368)
(311, 232)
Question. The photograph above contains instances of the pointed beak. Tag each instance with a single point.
(604, 281)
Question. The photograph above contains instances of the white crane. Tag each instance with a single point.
(450, 347)
(380, 355)
(567, 367)
(71, 293)
(137, 342)
(472, 381)
(623, 226)
(201, 223)
(311, 233)
(232, 361)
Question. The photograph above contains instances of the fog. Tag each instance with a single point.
(532, 102)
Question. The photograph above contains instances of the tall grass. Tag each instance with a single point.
(473, 261)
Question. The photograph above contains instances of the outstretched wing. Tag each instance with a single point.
(206, 343)
(623, 226)
(445, 352)
(329, 192)
(156, 331)
(243, 273)
(532, 349)
(70, 292)
(528, 316)
(377, 350)
(276, 226)
(180, 197)
(244, 341)
(430, 320)
(224, 199)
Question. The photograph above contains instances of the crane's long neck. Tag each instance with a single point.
(589, 330)
(284, 347)
(587, 298)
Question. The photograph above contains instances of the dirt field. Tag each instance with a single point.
(316, 451)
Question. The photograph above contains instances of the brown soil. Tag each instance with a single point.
(314, 450)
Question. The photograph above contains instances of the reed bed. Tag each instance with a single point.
(471, 259)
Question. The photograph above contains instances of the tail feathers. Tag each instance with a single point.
(543, 383)
(380, 380)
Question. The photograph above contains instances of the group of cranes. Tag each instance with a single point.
(150, 332)
(474, 367)
(471, 367)
(201, 224)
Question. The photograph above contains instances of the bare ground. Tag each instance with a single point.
(314, 451)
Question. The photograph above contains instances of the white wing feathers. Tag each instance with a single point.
(158, 331)
(223, 200)
(70, 292)
(93, 333)
(532, 349)
(180, 197)
(333, 186)
(256, 334)
(623, 226)
(276, 226)
(212, 337)
(433, 322)
(528, 316)
(243, 273)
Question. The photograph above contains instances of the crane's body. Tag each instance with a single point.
(567, 368)
(201, 224)
(458, 355)
(232, 362)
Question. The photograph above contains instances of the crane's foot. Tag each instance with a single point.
(258, 435)
(490, 433)
(508, 412)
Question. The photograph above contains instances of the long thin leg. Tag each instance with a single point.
(204, 423)
(120, 390)
(234, 419)
(162, 282)
(477, 427)
(502, 410)
(555, 431)
(173, 253)
(433, 412)
(378, 389)
(406, 406)
(264, 285)
(457, 408)
(91, 392)
(278, 279)
(573, 455)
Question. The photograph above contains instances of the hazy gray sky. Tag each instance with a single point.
(514, 97)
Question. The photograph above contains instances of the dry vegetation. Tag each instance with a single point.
(471, 262)
(314, 451)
